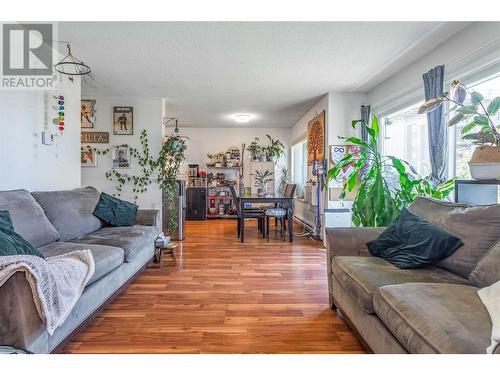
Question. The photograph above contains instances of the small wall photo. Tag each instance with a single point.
(123, 120)
(88, 158)
(121, 158)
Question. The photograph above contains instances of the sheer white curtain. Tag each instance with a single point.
(299, 166)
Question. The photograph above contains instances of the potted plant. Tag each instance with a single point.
(384, 183)
(275, 150)
(261, 180)
(480, 128)
(254, 149)
(284, 178)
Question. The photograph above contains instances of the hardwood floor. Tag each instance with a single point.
(225, 297)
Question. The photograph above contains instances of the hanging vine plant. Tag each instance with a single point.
(162, 170)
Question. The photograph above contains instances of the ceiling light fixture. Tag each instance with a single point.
(242, 117)
(72, 66)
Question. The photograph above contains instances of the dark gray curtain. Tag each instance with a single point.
(365, 116)
(438, 130)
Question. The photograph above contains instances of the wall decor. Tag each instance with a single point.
(121, 157)
(94, 137)
(59, 107)
(123, 120)
(88, 158)
(337, 153)
(316, 138)
(87, 113)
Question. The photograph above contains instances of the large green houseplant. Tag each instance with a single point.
(480, 127)
(384, 183)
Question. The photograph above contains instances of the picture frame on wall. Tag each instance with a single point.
(316, 138)
(87, 113)
(121, 157)
(123, 120)
(88, 158)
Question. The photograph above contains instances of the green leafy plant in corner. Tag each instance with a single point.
(162, 169)
(385, 184)
(284, 177)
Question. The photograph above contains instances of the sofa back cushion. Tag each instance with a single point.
(28, 217)
(477, 226)
(70, 211)
(487, 271)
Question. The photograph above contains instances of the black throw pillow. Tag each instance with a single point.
(12, 243)
(114, 211)
(413, 242)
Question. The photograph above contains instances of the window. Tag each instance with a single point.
(299, 166)
(404, 135)
(489, 88)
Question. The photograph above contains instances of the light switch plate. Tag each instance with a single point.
(47, 138)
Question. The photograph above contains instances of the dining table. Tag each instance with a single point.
(277, 199)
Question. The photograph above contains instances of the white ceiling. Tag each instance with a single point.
(273, 70)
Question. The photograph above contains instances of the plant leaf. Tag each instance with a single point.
(468, 128)
(430, 105)
(476, 97)
(456, 119)
(375, 126)
(467, 109)
(481, 120)
(355, 122)
(494, 106)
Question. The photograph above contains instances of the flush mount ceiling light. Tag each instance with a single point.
(242, 117)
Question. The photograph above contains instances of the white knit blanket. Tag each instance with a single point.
(490, 296)
(56, 283)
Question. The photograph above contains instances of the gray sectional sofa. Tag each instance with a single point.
(430, 310)
(59, 222)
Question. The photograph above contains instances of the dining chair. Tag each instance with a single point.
(250, 213)
(280, 213)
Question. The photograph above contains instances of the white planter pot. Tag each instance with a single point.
(485, 171)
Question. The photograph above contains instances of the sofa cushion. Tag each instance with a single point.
(131, 239)
(477, 226)
(12, 243)
(362, 276)
(106, 258)
(487, 270)
(413, 242)
(28, 217)
(6, 221)
(115, 211)
(70, 211)
(435, 318)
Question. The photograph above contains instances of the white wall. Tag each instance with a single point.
(214, 140)
(25, 163)
(475, 47)
(147, 115)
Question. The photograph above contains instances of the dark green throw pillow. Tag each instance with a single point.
(12, 243)
(5, 221)
(114, 211)
(413, 242)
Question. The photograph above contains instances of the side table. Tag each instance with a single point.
(169, 250)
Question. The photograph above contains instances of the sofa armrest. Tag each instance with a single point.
(350, 241)
(148, 217)
(20, 324)
(347, 242)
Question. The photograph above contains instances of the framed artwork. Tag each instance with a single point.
(316, 138)
(337, 152)
(88, 158)
(123, 120)
(87, 113)
(121, 158)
